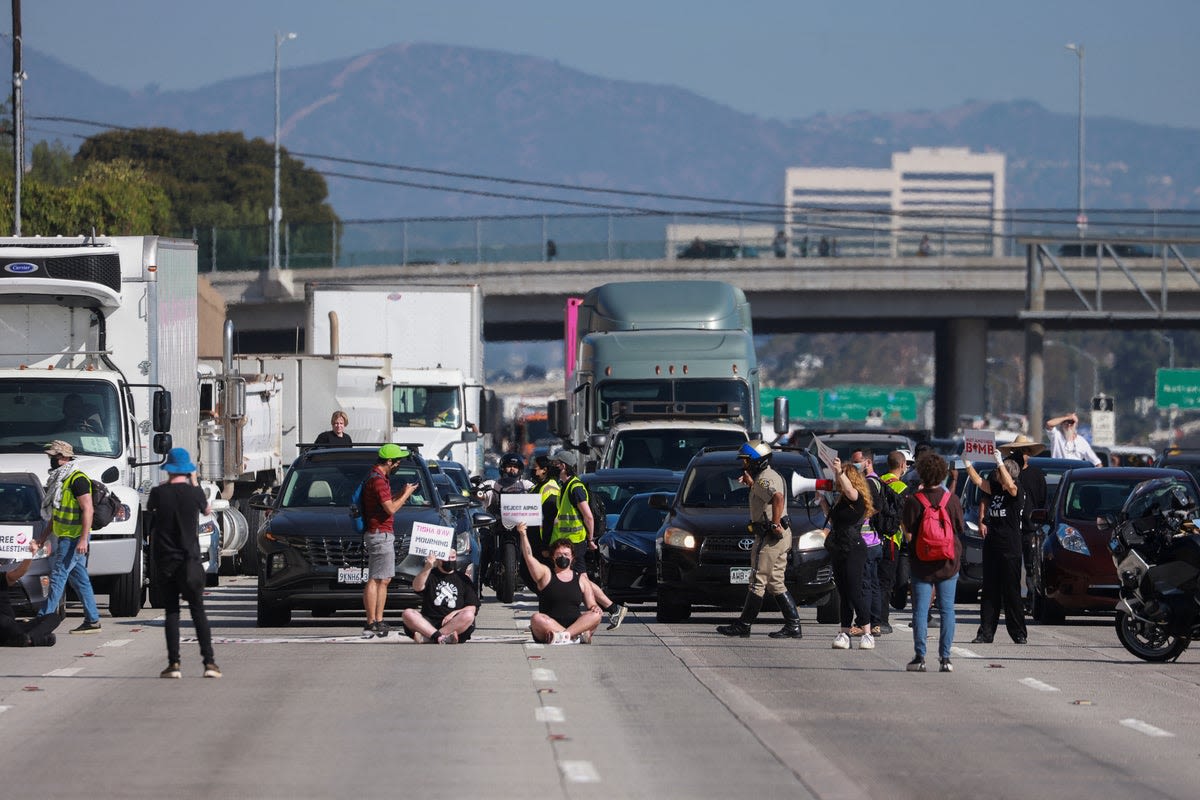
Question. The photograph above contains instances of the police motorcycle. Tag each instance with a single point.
(1155, 544)
(499, 545)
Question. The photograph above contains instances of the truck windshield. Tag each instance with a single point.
(667, 448)
(84, 414)
(426, 407)
(724, 399)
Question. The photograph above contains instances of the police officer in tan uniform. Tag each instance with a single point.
(772, 540)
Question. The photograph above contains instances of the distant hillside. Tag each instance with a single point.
(480, 111)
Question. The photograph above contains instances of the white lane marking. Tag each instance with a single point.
(964, 652)
(1144, 727)
(549, 714)
(4, 708)
(65, 672)
(1034, 683)
(579, 771)
(544, 675)
(534, 646)
(393, 639)
(117, 643)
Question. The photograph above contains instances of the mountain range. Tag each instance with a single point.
(465, 110)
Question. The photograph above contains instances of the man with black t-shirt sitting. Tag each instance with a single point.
(448, 604)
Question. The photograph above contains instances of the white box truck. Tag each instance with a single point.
(108, 323)
(434, 335)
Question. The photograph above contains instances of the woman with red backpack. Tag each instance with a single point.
(933, 526)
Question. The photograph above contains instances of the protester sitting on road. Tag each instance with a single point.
(37, 632)
(448, 604)
(561, 591)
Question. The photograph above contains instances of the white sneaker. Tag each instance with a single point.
(562, 637)
(842, 641)
(867, 642)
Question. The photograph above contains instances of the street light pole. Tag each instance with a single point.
(276, 211)
(1081, 220)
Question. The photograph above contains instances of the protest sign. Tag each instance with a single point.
(978, 445)
(14, 542)
(515, 508)
(435, 540)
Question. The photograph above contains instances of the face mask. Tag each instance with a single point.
(448, 567)
(562, 562)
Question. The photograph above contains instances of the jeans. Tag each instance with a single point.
(871, 590)
(67, 566)
(922, 591)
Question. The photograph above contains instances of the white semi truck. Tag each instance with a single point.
(106, 325)
(434, 335)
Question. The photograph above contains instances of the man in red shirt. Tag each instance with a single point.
(379, 540)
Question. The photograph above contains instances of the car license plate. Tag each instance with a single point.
(352, 575)
(739, 574)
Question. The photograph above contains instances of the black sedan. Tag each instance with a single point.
(614, 487)
(311, 556)
(703, 550)
(627, 568)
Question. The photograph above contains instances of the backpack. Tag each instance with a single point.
(935, 537)
(356, 504)
(889, 509)
(105, 506)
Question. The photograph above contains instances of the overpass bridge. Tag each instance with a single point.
(958, 299)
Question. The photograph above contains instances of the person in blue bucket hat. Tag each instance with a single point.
(174, 510)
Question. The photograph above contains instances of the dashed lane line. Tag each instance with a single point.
(965, 652)
(1144, 727)
(117, 643)
(579, 771)
(543, 675)
(549, 714)
(65, 672)
(1034, 683)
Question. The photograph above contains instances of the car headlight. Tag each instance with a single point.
(678, 537)
(811, 540)
(972, 530)
(1071, 539)
(462, 542)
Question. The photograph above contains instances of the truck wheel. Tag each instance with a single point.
(828, 610)
(271, 615)
(125, 596)
(248, 555)
(506, 577)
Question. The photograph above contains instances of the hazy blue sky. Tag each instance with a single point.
(775, 58)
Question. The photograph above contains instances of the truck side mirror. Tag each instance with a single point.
(162, 443)
(488, 411)
(560, 421)
(161, 413)
(781, 416)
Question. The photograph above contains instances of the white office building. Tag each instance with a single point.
(948, 194)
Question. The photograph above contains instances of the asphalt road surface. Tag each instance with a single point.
(648, 710)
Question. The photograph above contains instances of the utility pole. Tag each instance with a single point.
(18, 77)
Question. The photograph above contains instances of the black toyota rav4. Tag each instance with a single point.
(703, 548)
(312, 557)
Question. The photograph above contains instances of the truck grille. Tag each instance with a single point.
(102, 268)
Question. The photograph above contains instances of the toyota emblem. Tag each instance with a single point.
(746, 544)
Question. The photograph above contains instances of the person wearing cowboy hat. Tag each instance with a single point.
(1033, 483)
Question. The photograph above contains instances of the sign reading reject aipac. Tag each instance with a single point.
(1177, 387)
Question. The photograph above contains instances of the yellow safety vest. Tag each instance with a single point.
(67, 517)
(568, 521)
(899, 487)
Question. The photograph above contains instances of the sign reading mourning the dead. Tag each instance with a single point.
(430, 540)
(978, 445)
(515, 508)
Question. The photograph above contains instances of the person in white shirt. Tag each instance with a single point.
(1065, 441)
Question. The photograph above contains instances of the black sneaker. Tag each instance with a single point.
(368, 631)
(884, 629)
(617, 616)
(87, 627)
(946, 666)
(211, 670)
(916, 665)
(172, 671)
(381, 629)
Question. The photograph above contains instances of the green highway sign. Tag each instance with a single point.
(1177, 387)
(854, 403)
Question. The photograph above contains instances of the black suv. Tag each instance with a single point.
(703, 549)
(311, 556)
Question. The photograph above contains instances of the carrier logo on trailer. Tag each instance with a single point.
(20, 268)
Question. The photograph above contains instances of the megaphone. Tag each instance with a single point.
(801, 484)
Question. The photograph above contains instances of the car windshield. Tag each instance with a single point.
(880, 447)
(639, 516)
(84, 414)
(616, 493)
(331, 483)
(717, 485)
(661, 395)
(1088, 499)
(19, 503)
(667, 449)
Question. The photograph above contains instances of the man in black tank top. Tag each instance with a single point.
(563, 596)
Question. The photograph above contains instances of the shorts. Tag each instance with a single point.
(381, 556)
(462, 637)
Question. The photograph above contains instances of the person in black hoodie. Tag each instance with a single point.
(174, 508)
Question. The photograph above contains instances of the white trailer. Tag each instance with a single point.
(109, 324)
(434, 335)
